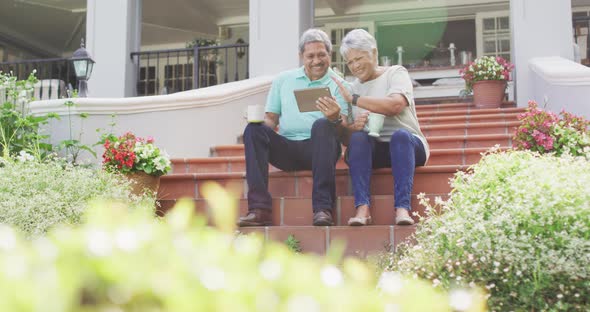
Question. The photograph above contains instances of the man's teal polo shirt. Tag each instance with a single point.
(293, 124)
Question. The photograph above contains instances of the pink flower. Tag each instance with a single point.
(537, 130)
(548, 144)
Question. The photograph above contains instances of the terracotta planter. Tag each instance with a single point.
(142, 182)
(489, 93)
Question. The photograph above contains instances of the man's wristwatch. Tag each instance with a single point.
(337, 121)
(355, 98)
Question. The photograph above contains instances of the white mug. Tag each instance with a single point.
(255, 113)
(375, 124)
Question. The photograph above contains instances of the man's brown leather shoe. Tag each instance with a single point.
(256, 217)
(323, 218)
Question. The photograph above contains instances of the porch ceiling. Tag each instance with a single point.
(183, 20)
(50, 28)
(42, 27)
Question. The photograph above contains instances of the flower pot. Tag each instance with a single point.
(142, 182)
(489, 93)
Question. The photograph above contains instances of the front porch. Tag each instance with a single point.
(139, 52)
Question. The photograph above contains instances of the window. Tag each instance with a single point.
(178, 77)
(493, 34)
(147, 81)
(208, 70)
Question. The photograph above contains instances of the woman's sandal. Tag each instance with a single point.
(360, 221)
(404, 220)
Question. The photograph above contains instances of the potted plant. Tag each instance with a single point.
(486, 77)
(137, 158)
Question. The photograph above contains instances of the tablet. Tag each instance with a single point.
(306, 98)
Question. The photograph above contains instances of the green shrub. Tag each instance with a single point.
(122, 260)
(293, 243)
(19, 128)
(35, 196)
(518, 225)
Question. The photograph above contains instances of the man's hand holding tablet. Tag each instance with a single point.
(307, 98)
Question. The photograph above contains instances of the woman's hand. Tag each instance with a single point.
(360, 121)
(343, 90)
(329, 107)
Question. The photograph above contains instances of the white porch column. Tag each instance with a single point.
(275, 27)
(113, 31)
(539, 28)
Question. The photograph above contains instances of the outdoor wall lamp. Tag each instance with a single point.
(240, 51)
(83, 65)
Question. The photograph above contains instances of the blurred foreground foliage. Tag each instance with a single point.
(124, 259)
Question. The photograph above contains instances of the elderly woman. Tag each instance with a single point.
(400, 144)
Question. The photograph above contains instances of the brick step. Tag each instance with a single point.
(295, 211)
(448, 156)
(359, 241)
(460, 103)
(469, 140)
(429, 180)
(435, 142)
(227, 150)
(507, 127)
(459, 111)
(443, 100)
(452, 119)
(449, 105)
(470, 123)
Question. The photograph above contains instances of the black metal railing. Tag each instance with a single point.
(56, 75)
(170, 71)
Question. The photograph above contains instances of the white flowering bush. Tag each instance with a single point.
(128, 261)
(37, 196)
(518, 225)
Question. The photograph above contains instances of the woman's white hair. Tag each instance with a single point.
(358, 39)
(314, 35)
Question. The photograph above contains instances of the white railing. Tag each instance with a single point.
(185, 124)
(558, 83)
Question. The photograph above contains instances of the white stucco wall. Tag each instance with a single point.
(275, 28)
(539, 28)
(558, 83)
(184, 124)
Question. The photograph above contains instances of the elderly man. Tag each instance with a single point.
(304, 141)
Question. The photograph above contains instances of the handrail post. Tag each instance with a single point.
(196, 76)
(225, 79)
(247, 62)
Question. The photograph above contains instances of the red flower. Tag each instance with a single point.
(128, 153)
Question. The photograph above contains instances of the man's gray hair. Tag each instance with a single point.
(358, 39)
(314, 35)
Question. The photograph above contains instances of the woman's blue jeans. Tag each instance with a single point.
(403, 153)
